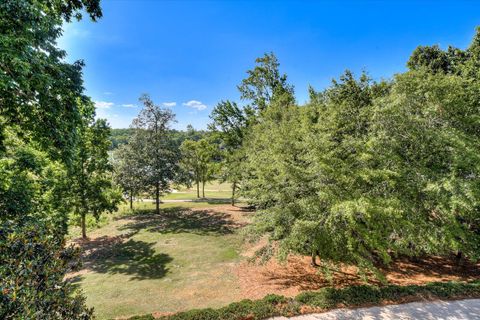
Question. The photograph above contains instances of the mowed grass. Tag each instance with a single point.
(143, 262)
(213, 190)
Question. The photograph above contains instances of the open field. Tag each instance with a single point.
(180, 260)
(213, 190)
(192, 195)
(192, 256)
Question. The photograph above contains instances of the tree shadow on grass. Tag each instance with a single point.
(213, 200)
(136, 258)
(181, 220)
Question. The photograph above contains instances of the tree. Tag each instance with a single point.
(153, 137)
(229, 124)
(128, 170)
(41, 108)
(263, 86)
(265, 83)
(92, 190)
(434, 59)
(39, 91)
(369, 171)
(33, 285)
(198, 158)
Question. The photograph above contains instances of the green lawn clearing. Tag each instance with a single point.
(213, 190)
(140, 263)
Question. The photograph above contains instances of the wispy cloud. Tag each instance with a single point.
(129, 105)
(108, 93)
(103, 104)
(195, 105)
(169, 104)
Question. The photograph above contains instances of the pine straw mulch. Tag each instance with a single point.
(297, 275)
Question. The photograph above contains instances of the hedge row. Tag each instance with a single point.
(327, 298)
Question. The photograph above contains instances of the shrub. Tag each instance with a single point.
(33, 263)
(327, 298)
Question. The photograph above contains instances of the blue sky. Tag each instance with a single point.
(189, 55)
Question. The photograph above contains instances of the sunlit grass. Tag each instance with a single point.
(174, 261)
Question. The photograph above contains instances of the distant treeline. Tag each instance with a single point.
(119, 137)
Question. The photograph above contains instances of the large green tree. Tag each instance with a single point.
(129, 170)
(265, 83)
(153, 137)
(39, 91)
(198, 158)
(230, 124)
(41, 111)
(369, 171)
(92, 189)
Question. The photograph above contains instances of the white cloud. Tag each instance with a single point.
(129, 105)
(195, 105)
(169, 104)
(108, 93)
(103, 104)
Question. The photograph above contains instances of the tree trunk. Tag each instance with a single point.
(198, 188)
(131, 200)
(314, 259)
(157, 198)
(84, 227)
(459, 258)
(203, 189)
(233, 193)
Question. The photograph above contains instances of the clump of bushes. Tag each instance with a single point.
(325, 299)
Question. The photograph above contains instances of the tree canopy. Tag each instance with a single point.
(368, 171)
(42, 112)
(152, 138)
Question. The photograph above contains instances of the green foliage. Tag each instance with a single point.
(153, 142)
(436, 60)
(128, 169)
(91, 177)
(32, 186)
(42, 107)
(231, 123)
(119, 137)
(198, 161)
(265, 84)
(40, 92)
(328, 298)
(33, 262)
(368, 171)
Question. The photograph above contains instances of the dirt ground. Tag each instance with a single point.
(297, 275)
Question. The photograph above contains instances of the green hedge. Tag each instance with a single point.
(327, 298)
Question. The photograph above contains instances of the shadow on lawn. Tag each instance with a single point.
(213, 200)
(178, 220)
(137, 258)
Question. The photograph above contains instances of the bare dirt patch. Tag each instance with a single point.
(297, 275)
(240, 216)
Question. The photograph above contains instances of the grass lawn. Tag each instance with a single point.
(192, 256)
(143, 263)
(213, 190)
(211, 186)
(192, 195)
